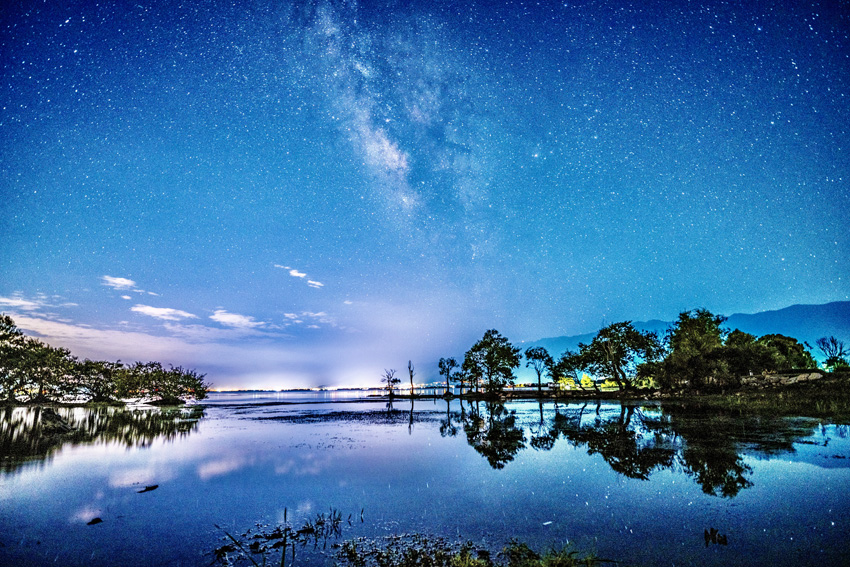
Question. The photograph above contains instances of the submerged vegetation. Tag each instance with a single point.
(34, 372)
(280, 544)
(417, 550)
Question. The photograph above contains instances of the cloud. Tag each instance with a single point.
(301, 275)
(18, 302)
(165, 313)
(118, 283)
(235, 320)
(40, 301)
(126, 297)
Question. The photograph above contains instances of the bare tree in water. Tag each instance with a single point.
(390, 380)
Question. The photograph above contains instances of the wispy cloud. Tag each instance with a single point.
(18, 302)
(124, 284)
(235, 320)
(39, 302)
(118, 283)
(312, 320)
(164, 313)
(301, 275)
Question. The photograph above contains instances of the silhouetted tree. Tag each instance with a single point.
(461, 378)
(97, 379)
(149, 380)
(616, 351)
(571, 364)
(745, 355)
(12, 359)
(696, 357)
(787, 353)
(541, 361)
(835, 352)
(390, 380)
(447, 365)
(493, 359)
(410, 371)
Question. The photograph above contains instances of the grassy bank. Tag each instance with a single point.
(825, 398)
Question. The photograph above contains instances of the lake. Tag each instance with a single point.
(639, 484)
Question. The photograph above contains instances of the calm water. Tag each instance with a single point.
(636, 484)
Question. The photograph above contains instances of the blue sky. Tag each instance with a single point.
(302, 194)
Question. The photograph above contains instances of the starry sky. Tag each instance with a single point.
(287, 194)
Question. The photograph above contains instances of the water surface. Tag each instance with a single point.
(640, 484)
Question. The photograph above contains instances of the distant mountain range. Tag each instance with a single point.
(803, 322)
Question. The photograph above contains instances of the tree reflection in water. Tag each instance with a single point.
(35, 434)
(636, 441)
(493, 433)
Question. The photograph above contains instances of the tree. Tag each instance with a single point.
(787, 353)
(541, 361)
(447, 365)
(744, 355)
(571, 365)
(696, 356)
(411, 373)
(835, 352)
(47, 369)
(149, 380)
(462, 378)
(390, 380)
(97, 379)
(492, 359)
(616, 351)
(12, 358)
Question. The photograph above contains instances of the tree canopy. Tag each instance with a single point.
(493, 360)
(32, 371)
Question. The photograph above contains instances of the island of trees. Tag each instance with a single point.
(34, 372)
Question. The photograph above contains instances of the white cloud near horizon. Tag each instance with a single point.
(164, 313)
(235, 320)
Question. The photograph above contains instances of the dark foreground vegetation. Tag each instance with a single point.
(36, 373)
(284, 543)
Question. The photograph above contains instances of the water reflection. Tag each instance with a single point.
(35, 433)
(635, 441)
(493, 432)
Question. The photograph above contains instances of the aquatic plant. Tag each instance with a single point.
(260, 544)
(418, 550)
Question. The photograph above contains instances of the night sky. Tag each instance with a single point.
(300, 194)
